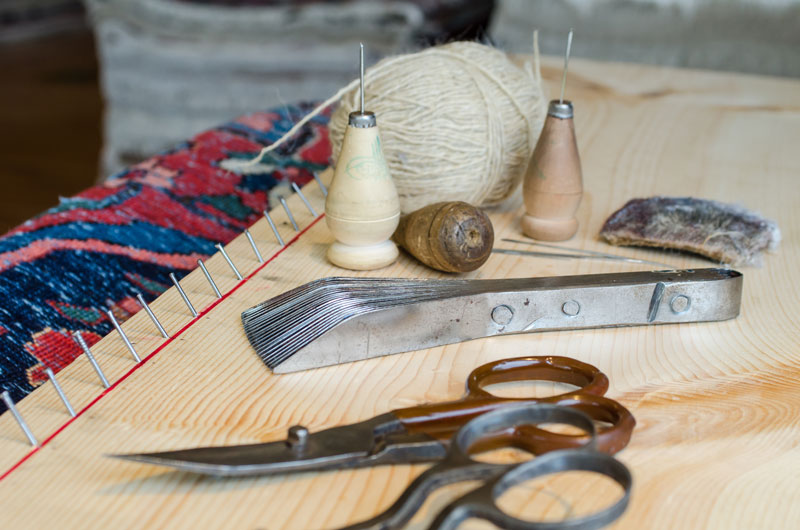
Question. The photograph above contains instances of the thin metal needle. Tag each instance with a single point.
(274, 228)
(322, 187)
(17, 416)
(60, 392)
(228, 259)
(82, 343)
(566, 63)
(361, 44)
(297, 190)
(152, 316)
(253, 244)
(288, 213)
(122, 334)
(209, 278)
(592, 252)
(182, 293)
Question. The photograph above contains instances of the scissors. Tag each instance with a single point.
(421, 433)
(480, 503)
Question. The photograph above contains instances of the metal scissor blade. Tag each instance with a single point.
(336, 448)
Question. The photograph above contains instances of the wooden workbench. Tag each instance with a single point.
(717, 404)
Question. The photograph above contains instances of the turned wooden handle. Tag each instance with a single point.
(447, 236)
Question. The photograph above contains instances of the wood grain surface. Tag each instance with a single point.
(718, 407)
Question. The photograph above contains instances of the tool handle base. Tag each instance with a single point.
(549, 229)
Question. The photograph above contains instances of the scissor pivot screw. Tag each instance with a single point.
(571, 308)
(297, 437)
(680, 304)
(502, 315)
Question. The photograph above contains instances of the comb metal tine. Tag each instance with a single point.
(17, 416)
(253, 245)
(60, 391)
(230, 262)
(122, 334)
(289, 214)
(274, 228)
(182, 293)
(299, 192)
(322, 187)
(209, 278)
(152, 315)
(85, 347)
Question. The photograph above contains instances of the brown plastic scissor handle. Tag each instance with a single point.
(535, 440)
(442, 420)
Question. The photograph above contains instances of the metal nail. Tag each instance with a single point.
(297, 190)
(128, 344)
(289, 214)
(274, 228)
(228, 259)
(17, 416)
(152, 316)
(321, 185)
(182, 293)
(253, 244)
(60, 392)
(82, 343)
(209, 278)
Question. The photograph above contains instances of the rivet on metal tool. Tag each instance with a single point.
(128, 344)
(209, 278)
(152, 316)
(289, 214)
(322, 187)
(297, 437)
(182, 293)
(17, 416)
(680, 304)
(297, 190)
(60, 392)
(502, 315)
(274, 228)
(228, 259)
(571, 308)
(82, 343)
(253, 245)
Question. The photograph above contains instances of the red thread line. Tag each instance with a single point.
(161, 347)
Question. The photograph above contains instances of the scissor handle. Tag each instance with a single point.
(442, 420)
(537, 368)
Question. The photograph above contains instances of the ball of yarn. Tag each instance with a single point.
(458, 122)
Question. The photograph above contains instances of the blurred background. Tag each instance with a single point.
(91, 86)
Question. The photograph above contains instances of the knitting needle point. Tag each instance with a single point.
(274, 228)
(209, 278)
(361, 63)
(322, 187)
(566, 63)
(60, 392)
(152, 315)
(182, 293)
(289, 214)
(230, 262)
(297, 190)
(122, 334)
(85, 347)
(17, 416)
(253, 245)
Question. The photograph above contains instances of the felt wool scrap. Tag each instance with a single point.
(723, 232)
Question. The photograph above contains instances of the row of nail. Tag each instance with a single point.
(5, 396)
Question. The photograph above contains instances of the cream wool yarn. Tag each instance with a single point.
(458, 122)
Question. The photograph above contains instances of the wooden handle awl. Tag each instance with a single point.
(447, 236)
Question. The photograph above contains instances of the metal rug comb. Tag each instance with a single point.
(338, 320)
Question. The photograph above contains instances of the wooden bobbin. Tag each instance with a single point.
(362, 208)
(553, 184)
(447, 236)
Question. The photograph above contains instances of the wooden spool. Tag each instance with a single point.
(447, 236)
